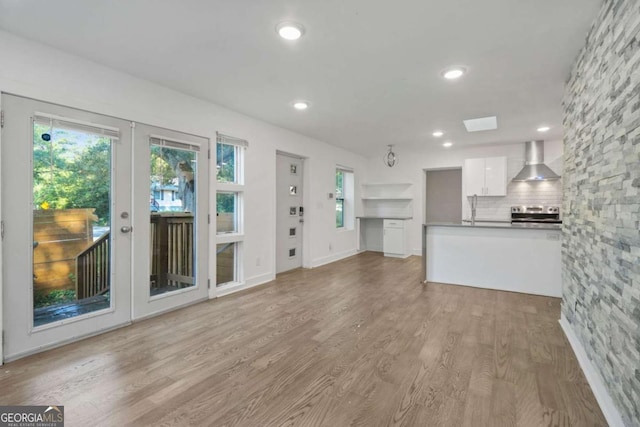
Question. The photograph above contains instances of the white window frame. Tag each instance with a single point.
(348, 199)
(238, 188)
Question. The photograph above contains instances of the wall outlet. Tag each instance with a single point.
(258, 262)
(330, 247)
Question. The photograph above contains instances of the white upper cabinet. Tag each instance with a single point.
(474, 176)
(486, 177)
(495, 176)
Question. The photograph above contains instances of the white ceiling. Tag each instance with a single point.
(371, 69)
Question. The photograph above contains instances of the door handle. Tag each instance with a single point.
(126, 229)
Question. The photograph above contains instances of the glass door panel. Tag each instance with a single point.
(71, 221)
(172, 216)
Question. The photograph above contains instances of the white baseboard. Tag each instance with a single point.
(40, 349)
(247, 284)
(333, 258)
(594, 379)
(417, 252)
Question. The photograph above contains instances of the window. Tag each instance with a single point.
(226, 212)
(229, 202)
(339, 198)
(344, 198)
(226, 162)
(226, 264)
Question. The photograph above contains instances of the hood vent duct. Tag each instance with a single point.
(535, 169)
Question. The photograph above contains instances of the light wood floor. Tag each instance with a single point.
(358, 342)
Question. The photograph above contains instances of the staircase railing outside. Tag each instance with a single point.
(93, 268)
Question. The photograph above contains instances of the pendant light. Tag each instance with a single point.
(390, 158)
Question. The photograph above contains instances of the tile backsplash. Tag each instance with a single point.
(518, 193)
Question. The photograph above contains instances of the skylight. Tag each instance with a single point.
(481, 124)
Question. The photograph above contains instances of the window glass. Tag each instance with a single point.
(172, 219)
(226, 163)
(225, 263)
(226, 212)
(339, 198)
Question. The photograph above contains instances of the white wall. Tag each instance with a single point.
(412, 163)
(40, 72)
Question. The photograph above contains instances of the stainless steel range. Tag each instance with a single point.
(535, 215)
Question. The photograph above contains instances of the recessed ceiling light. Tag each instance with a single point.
(438, 133)
(447, 144)
(543, 128)
(481, 124)
(454, 73)
(290, 30)
(300, 105)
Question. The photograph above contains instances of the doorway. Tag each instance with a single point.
(443, 195)
(289, 211)
(101, 216)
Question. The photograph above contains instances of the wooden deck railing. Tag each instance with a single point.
(171, 261)
(172, 249)
(93, 268)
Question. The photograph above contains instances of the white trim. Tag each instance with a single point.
(609, 409)
(1, 255)
(163, 295)
(229, 187)
(170, 309)
(35, 329)
(211, 226)
(252, 282)
(166, 138)
(64, 342)
(229, 238)
(344, 168)
(333, 258)
(78, 122)
(231, 140)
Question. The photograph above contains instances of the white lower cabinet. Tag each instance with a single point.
(394, 241)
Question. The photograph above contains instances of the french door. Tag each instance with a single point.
(67, 222)
(101, 223)
(170, 245)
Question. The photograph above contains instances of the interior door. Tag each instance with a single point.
(289, 212)
(67, 222)
(171, 181)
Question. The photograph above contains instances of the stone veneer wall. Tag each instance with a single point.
(601, 235)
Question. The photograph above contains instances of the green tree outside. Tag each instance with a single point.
(71, 171)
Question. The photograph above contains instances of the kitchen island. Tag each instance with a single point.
(494, 255)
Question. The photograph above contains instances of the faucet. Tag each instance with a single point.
(474, 204)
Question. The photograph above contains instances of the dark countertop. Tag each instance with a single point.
(480, 224)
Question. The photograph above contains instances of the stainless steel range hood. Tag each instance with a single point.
(535, 169)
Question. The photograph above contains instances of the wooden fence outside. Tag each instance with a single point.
(58, 236)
